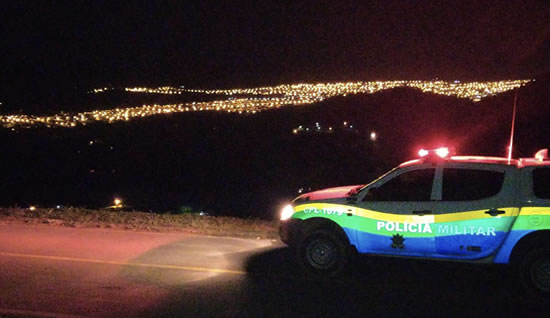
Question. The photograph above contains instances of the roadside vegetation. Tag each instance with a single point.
(143, 221)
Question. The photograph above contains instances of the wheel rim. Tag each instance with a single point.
(321, 253)
(540, 274)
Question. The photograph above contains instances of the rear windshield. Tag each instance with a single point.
(541, 183)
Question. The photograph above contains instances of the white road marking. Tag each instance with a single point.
(97, 261)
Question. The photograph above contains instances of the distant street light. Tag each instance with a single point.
(373, 136)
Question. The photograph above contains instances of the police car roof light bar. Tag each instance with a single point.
(441, 152)
(423, 152)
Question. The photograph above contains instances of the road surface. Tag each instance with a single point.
(53, 271)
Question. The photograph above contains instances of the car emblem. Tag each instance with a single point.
(397, 241)
(535, 220)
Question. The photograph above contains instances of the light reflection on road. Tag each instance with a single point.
(202, 253)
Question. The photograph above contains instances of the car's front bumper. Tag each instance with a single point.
(289, 231)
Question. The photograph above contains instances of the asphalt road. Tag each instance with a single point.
(52, 271)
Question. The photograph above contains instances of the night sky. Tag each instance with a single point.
(215, 44)
(52, 54)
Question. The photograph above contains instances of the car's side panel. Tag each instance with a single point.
(530, 219)
(472, 234)
(368, 229)
(376, 232)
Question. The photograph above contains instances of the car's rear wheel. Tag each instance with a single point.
(323, 253)
(535, 271)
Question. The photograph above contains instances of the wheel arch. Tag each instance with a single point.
(529, 242)
(315, 223)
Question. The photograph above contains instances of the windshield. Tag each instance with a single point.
(375, 180)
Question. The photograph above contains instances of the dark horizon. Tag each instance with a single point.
(254, 43)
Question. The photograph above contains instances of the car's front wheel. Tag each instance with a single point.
(323, 253)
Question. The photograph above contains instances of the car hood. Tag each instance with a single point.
(330, 193)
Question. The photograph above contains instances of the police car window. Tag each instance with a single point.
(415, 185)
(541, 183)
(470, 184)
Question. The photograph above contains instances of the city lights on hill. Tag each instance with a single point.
(318, 128)
(471, 90)
(252, 100)
(100, 90)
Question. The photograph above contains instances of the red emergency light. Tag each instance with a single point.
(423, 152)
(542, 155)
(441, 152)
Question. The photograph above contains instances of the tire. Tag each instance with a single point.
(323, 254)
(535, 272)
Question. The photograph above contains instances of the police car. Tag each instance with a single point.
(466, 208)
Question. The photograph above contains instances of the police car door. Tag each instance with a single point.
(396, 213)
(475, 210)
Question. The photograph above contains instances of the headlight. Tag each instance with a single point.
(287, 212)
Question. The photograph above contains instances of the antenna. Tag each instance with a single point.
(512, 130)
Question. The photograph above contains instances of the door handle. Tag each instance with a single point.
(422, 212)
(495, 212)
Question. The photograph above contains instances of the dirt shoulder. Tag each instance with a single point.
(143, 221)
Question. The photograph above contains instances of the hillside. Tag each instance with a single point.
(249, 165)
